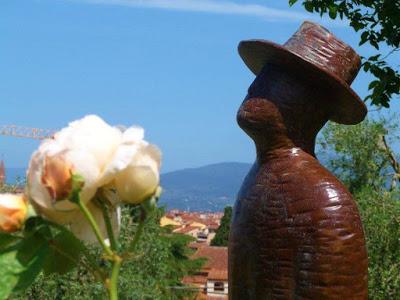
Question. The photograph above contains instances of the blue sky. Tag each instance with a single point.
(170, 66)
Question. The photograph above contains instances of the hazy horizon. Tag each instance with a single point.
(12, 173)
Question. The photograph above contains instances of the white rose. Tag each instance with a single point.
(85, 147)
(103, 156)
(13, 212)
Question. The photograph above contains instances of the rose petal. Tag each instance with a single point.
(82, 229)
(134, 134)
(93, 135)
(123, 156)
(13, 212)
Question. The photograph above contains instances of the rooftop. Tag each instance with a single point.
(217, 258)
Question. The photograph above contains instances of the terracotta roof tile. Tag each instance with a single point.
(185, 229)
(197, 245)
(217, 257)
(195, 279)
(218, 275)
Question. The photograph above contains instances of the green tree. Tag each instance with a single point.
(156, 273)
(360, 155)
(222, 234)
(378, 22)
(362, 158)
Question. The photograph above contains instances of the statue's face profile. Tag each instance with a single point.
(261, 111)
(283, 107)
(260, 115)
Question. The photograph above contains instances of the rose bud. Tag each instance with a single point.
(57, 177)
(50, 178)
(135, 167)
(140, 179)
(13, 212)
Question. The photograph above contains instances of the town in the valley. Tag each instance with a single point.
(212, 280)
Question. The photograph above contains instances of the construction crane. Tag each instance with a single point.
(22, 132)
(26, 132)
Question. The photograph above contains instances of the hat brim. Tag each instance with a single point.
(349, 108)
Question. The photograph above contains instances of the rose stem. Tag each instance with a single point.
(107, 221)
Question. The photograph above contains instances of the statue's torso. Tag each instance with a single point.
(295, 230)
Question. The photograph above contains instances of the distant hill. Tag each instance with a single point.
(208, 188)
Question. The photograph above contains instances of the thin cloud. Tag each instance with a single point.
(214, 7)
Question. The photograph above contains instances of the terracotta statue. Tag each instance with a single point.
(296, 232)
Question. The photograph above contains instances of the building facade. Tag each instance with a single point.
(2, 173)
(212, 280)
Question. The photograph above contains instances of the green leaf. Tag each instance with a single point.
(374, 58)
(292, 2)
(64, 255)
(308, 6)
(32, 270)
(373, 84)
(37, 225)
(9, 269)
(367, 67)
(375, 44)
(333, 12)
(29, 247)
(20, 264)
(364, 38)
(7, 240)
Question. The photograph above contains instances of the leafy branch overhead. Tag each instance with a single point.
(378, 22)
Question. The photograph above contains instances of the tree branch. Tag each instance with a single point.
(393, 161)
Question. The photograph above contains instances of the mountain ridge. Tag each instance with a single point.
(206, 188)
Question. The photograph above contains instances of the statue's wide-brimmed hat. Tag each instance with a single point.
(314, 52)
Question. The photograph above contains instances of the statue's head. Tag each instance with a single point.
(281, 109)
(300, 85)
